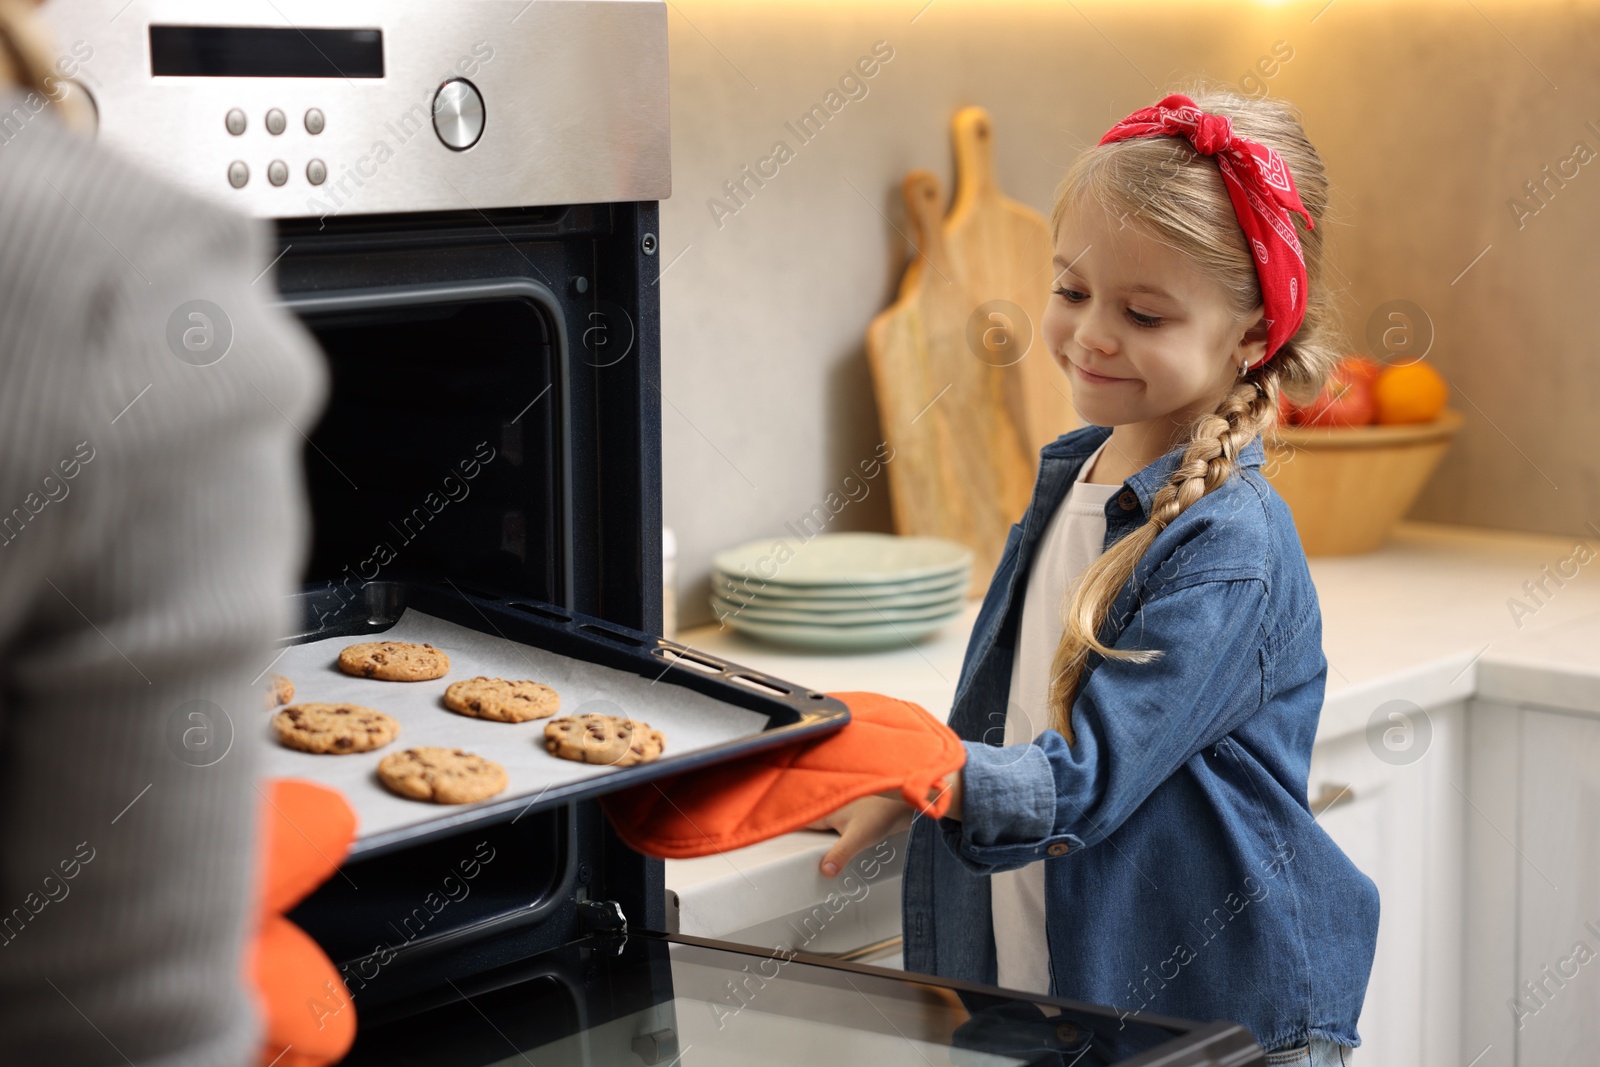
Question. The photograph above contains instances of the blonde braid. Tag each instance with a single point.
(1216, 440)
(28, 57)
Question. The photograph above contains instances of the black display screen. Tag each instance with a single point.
(265, 52)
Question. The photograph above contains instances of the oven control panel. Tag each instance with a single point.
(293, 109)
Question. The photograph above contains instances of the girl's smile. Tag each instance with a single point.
(1097, 379)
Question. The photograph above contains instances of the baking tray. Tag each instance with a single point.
(709, 709)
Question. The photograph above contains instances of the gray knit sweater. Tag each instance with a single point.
(152, 519)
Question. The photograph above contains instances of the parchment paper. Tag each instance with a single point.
(689, 720)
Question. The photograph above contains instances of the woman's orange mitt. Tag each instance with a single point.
(308, 1016)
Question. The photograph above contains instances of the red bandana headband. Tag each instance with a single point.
(1262, 192)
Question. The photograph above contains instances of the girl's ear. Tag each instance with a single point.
(1252, 345)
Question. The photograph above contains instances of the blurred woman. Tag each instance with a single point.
(151, 522)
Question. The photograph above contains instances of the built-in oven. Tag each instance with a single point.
(465, 201)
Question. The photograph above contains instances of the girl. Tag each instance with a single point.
(1142, 686)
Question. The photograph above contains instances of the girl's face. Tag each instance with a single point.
(1143, 336)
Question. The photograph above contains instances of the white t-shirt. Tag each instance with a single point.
(1075, 538)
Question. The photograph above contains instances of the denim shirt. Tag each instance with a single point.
(1184, 873)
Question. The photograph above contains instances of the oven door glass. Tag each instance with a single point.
(670, 1000)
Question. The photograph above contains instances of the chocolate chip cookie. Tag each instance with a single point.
(603, 739)
(502, 700)
(394, 661)
(442, 775)
(334, 729)
(279, 690)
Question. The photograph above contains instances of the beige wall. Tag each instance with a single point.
(1429, 116)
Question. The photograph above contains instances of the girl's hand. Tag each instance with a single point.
(861, 823)
(871, 819)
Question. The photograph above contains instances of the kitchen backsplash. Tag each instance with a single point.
(1460, 139)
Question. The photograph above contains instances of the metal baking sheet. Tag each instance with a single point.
(691, 721)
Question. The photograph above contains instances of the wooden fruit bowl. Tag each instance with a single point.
(1347, 486)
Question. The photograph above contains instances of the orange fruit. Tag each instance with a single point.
(1414, 392)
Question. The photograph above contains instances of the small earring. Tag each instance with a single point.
(1244, 368)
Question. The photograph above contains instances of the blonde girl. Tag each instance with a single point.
(1142, 686)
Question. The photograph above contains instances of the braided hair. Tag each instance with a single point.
(1176, 196)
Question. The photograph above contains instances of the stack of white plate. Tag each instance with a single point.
(841, 592)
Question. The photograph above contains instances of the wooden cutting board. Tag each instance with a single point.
(967, 392)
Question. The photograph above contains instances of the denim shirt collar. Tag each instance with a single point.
(1147, 482)
(1060, 462)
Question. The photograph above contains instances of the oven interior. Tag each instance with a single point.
(441, 454)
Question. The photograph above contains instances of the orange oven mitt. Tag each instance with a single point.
(308, 1017)
(887, 744)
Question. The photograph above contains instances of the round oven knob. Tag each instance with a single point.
(458, 114)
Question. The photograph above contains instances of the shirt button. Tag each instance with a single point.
(1128, 500)
(1057, 849)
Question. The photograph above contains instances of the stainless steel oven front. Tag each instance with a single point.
(329, 108)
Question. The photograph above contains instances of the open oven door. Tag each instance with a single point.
(621, 997)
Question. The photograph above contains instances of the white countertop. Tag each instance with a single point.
(1403, 621)
(1558, 667)
(1425, 618)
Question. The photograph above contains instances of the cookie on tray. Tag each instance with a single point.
(442, 775)
(604, 739)
(279, 690)
(334, 729)
(394, 661)
(502, 700)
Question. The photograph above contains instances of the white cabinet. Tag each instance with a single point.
(1532, 995)
(1402, 826)
(1558, 890)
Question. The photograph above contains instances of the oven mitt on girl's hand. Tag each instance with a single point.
(887, 744)
(308, 1018)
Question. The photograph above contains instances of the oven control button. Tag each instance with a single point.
(316, 172)
(236, 122)
(458, 114)
(275, 122)
(314, 121)
(238, 174)
(277, 172)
